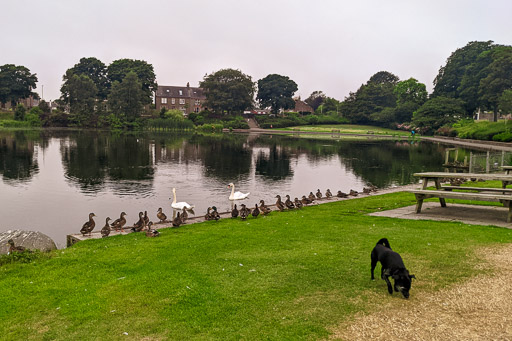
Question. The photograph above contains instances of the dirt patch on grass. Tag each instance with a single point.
(479, 309)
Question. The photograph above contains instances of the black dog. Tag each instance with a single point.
(392, 266)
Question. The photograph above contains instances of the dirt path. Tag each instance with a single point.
(479, 309)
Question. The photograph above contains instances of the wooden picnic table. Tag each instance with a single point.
(503, 195)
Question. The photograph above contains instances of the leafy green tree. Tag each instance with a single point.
(410, 95)
(174, 114)
(16, 82)
(80, 93)
(44, 106)
(450, 76)
(330, 106)
(119, 69)
(96, 70)
(276, 91)
(19, 112)
(228, 90)
(505, 102)
(127, 98)
(315, 99)
(438, 112)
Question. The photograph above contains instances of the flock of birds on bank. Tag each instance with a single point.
(145, 225)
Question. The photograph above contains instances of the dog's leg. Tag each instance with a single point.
(390, 289)
(374, 264)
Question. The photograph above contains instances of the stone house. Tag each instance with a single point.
(185, 98)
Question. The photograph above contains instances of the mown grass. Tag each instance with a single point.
(289, 276)
(350, 129)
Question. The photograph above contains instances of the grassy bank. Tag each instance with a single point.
(288, 276)
(351, 129)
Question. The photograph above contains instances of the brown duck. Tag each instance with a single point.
(161, 215)
(119, 223)
(89, 225)
(279, 204)
(105, 231)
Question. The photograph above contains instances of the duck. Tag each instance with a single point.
(176, 222)
(244, 212)
(366, 190)
(237, 195)
(311, 197)
(353, 193)
(184, 216)
(297, 202)
(279, 204)
(179, 205)
(264, 208)
(208, 215)
(152, 232)
(341, 194)
(318, 194)
(105, 231)
(14, 248)
(256, 211)
(305, 201)
(139, 225)
(288, 203)
(161, 215)
(119, 223)
(328, 193)
(215, 214)
(234, 212)
(89, 225)
(146, 218)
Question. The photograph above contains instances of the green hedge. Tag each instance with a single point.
(482, 130)
(295, 119)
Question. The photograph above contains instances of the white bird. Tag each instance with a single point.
(179, 205)
(236, 195)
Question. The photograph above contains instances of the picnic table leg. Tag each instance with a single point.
(504, 183)
(425, 183)
(438, 187)
(509, 217)
(419, 202)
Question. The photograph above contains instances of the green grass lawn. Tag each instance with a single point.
(289, 276)
(6, 115)
(350, 129)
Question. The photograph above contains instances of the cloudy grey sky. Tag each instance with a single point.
(328, 45)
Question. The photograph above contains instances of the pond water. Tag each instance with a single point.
(51, 180)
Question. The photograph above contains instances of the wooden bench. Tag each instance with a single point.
(423, 194)
(478, 189)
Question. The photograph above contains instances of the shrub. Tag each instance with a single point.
(503, 137)
(19, 113)
(211, 128)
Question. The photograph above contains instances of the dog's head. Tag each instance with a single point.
(403, 281)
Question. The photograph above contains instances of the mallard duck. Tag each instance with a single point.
(305, 201)
(14, 248)
(328, 193)
(237, 195)
(234, 212)
(105, 231)
(353, 193)
(341, 194)
(256, 211)
(139, 225)
(366, 190)
(89, 225)
(297, 203)
(208, 215)
(146, 218)
(161, 215)
(215, 214)
(176, 222)
(288, 203)
(279, 204)
(264, 208)
(244, 212)
(318, 194)
(152, 232)
(311, 197)
(119, 223)
(184, 216)
(179, 205)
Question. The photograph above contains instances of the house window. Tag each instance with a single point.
(181, 92)
(198, 102)
(173, 100)
(164, 100)
(182, 101)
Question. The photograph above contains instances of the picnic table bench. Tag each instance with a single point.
(502, 195)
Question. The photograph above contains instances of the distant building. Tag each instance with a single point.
(257, 112)
(28, 103)
(301, 107)
(185, 98)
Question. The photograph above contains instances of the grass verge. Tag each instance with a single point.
(350, 129)
(288, 276)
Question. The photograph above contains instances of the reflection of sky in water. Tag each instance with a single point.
(58, 204)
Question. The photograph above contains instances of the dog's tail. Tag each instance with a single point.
(385, 242)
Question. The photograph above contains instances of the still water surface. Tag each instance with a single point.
(50, 181)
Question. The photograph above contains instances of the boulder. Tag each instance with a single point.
(31, 240)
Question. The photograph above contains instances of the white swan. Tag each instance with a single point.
(179, 205)
(237, 195)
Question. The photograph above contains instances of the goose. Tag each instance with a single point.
(244, 212)
(208, 215)
(105, 231)
(89, 225)
(256, 211)
(318, 194)
(139, 225)
(176, 222)
(179, 205)
(161, 215)
(279, 203)
(234, 212)
(184, 216)
(215, 214)
(152, 232)
(341, 194)
(289, 204)
(297, 202)
(13, 248)
(264, 208)
(237, 195)
(328, 193)
(311, 197)
(119, 223)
